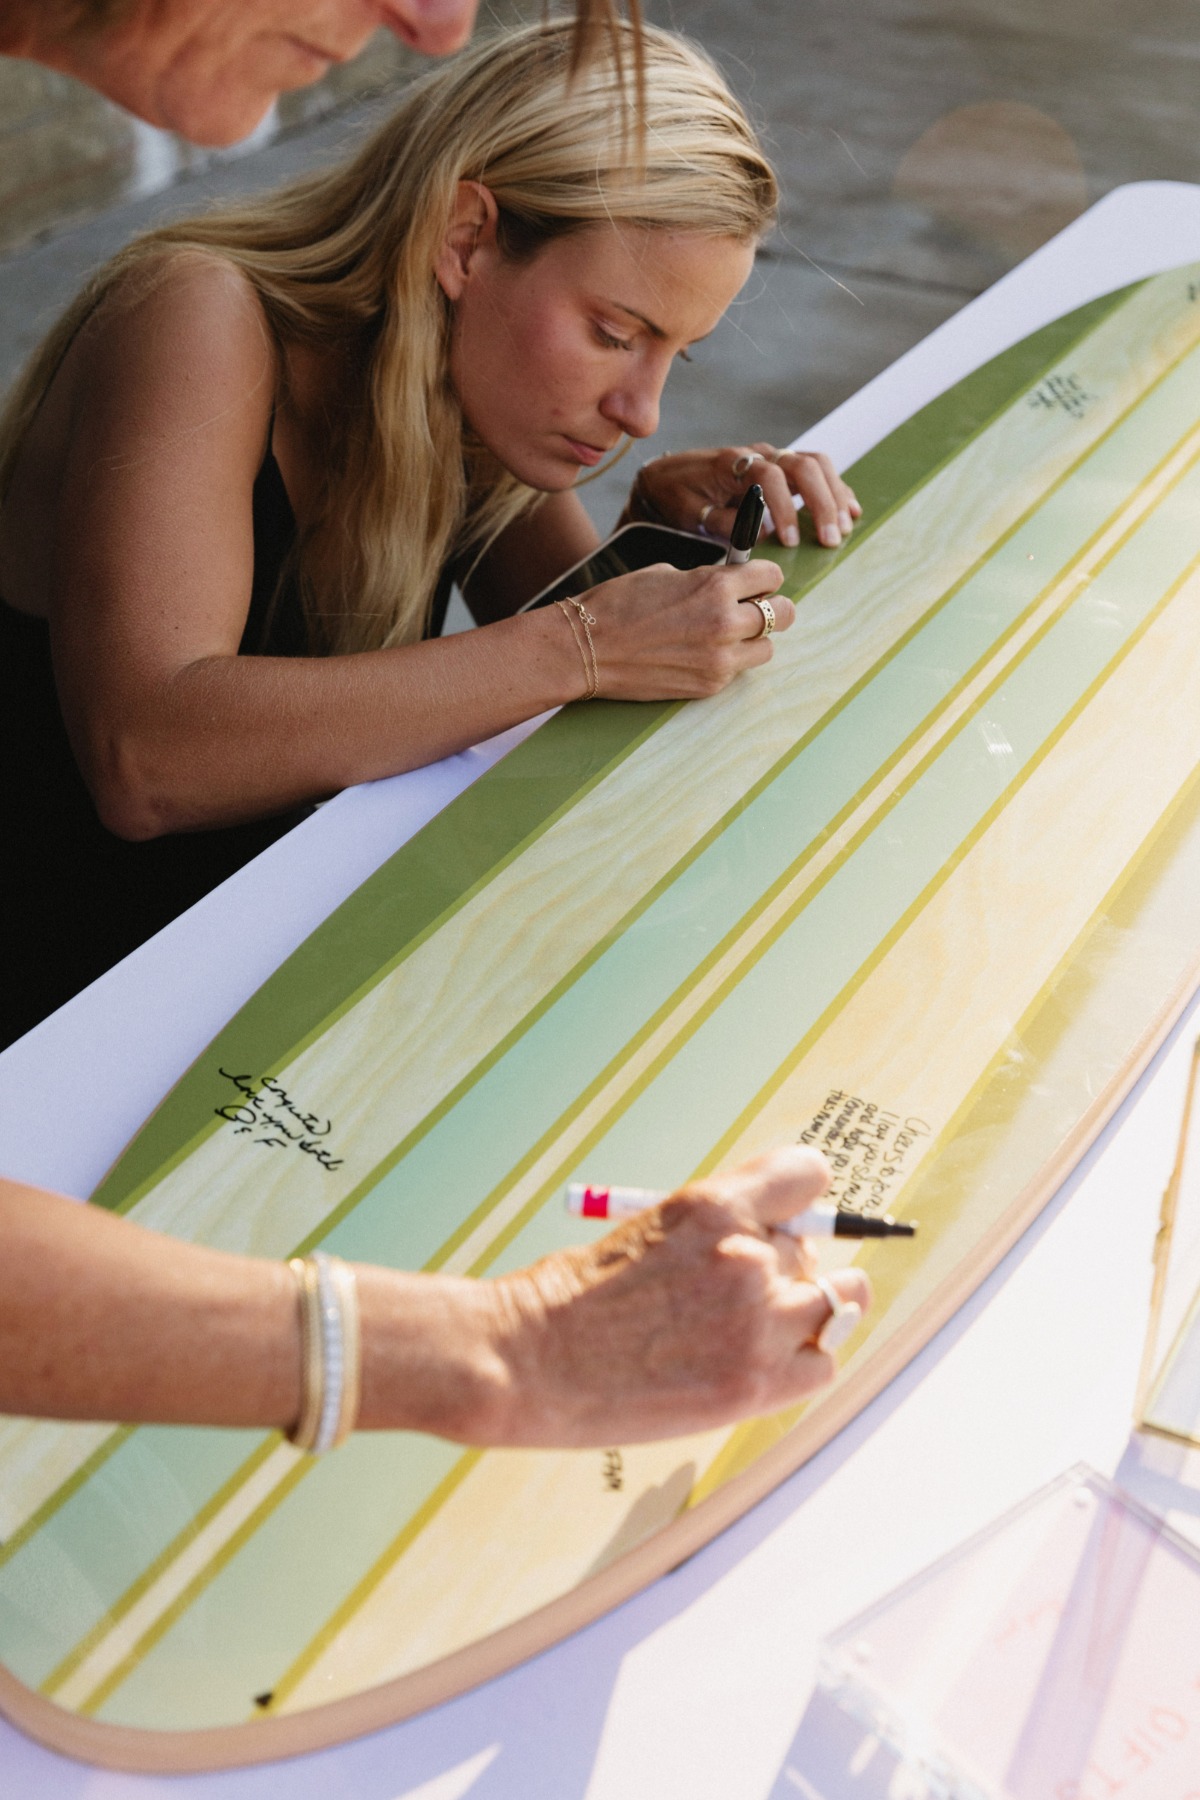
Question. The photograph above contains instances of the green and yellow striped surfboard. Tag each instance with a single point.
(921, 892)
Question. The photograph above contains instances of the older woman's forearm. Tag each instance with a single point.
(100, 1319)
(692, 1315)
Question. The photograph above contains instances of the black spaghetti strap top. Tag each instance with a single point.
(75, 899)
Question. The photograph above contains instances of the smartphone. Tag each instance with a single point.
(633, 547)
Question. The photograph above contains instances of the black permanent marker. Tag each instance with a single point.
(747, 525)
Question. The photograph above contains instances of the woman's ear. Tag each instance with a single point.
(472, 229)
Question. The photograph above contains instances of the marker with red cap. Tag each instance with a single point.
(821, 1220)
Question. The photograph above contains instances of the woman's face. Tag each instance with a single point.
(554, 359)
(211, 68)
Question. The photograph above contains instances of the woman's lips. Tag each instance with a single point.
(587, 454)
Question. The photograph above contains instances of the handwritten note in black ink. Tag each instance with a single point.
(867, 1147)
(265, 1112)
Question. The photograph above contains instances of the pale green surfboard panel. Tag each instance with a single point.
(919, 892)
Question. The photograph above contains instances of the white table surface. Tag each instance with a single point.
(703, 1685)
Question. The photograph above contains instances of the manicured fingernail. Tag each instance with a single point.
(831, 537)
(846, 522)
(789, 535)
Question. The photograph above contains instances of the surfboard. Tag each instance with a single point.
(921, 892)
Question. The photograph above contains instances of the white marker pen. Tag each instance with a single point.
(821, 1220)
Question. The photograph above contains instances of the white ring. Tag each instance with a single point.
(843, 1320)
(743, 464)
(702, 521)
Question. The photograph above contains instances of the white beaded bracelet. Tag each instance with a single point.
(331, 1352)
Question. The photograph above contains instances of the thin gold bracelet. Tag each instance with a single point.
(312, 1371)
(588, 656)
(590, 667)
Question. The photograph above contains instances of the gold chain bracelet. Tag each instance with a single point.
(590, 669)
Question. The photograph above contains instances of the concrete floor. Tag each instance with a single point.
(924, 146)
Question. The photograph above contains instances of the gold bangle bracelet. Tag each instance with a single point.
(312, 1369)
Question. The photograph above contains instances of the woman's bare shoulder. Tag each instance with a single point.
(173, 375)
(177, 350)
(189, 287)
(181, 335)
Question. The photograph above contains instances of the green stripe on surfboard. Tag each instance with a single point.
(467, 844)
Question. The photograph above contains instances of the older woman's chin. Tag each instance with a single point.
(213, 121)
(227, 107)
(211, 93)
(209, 111)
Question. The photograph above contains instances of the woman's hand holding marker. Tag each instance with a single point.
(682, 634)
(700, 1311)
(822, 1219)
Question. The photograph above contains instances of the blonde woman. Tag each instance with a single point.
(235, 479)
(238, 477)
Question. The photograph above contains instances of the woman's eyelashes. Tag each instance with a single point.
(609, 339)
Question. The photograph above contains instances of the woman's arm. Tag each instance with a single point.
(691, 1315)
(170, 397)
(101, 1319)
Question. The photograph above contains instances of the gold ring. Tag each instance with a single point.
(744, 463)
(768, 617)
(844, 1316)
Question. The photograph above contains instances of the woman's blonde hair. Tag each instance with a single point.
(347, 257)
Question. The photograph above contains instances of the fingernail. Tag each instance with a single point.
(846, 522)
(831, 537)
(789, 535)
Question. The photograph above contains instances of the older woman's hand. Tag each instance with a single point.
(699, 490)
(682, 634)
(690, 1316)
